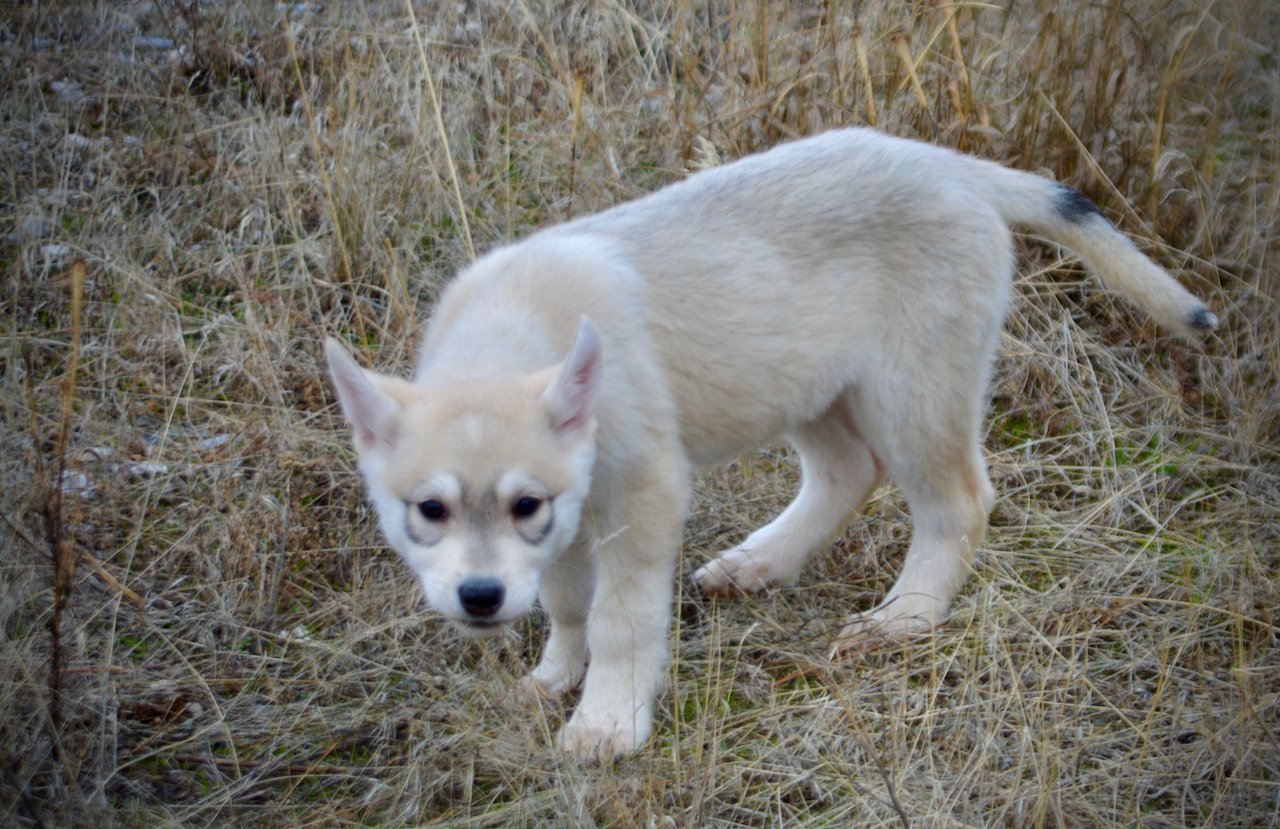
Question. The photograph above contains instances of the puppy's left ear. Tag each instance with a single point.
(374, 413)
(570, 400)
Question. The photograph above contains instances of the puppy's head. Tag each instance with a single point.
(478, 484)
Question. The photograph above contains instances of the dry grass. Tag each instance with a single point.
(235, 647)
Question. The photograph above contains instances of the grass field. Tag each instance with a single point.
(200, 625)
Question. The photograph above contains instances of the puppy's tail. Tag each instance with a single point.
(1068, 217)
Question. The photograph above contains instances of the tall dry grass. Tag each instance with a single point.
(200, 625)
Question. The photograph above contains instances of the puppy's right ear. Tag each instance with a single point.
(373, 413)
(570, 400)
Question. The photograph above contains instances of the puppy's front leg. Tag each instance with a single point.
(629, 623)
(567, 587)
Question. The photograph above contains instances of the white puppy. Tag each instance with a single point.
(845, 291)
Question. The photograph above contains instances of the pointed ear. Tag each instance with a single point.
(570, 400)
(373, 413)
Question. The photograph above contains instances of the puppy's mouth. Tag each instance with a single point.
(480, 627)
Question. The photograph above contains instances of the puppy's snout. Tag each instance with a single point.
(481, 598)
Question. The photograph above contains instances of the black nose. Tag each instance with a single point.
(481, 597)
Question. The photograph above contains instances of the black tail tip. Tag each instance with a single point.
(1075, 206)
(1202, 320)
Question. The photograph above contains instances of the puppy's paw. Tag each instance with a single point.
(601, 739)
(737, 572)
(892, 622)
(553, 680)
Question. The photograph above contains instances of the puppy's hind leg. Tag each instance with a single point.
(949, 496)
(839, 471)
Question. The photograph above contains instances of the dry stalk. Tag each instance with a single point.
(864, 66)
(1186, 38)
(62, 547)
(433, 98)
(579, 82)
(908, 63)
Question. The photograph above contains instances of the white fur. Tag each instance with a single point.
(845, 291)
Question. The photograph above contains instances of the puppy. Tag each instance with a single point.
(845, 291)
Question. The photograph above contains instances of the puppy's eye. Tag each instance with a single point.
(526, 506)
(433, 510)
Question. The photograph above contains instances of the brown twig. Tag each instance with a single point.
(61, 545)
